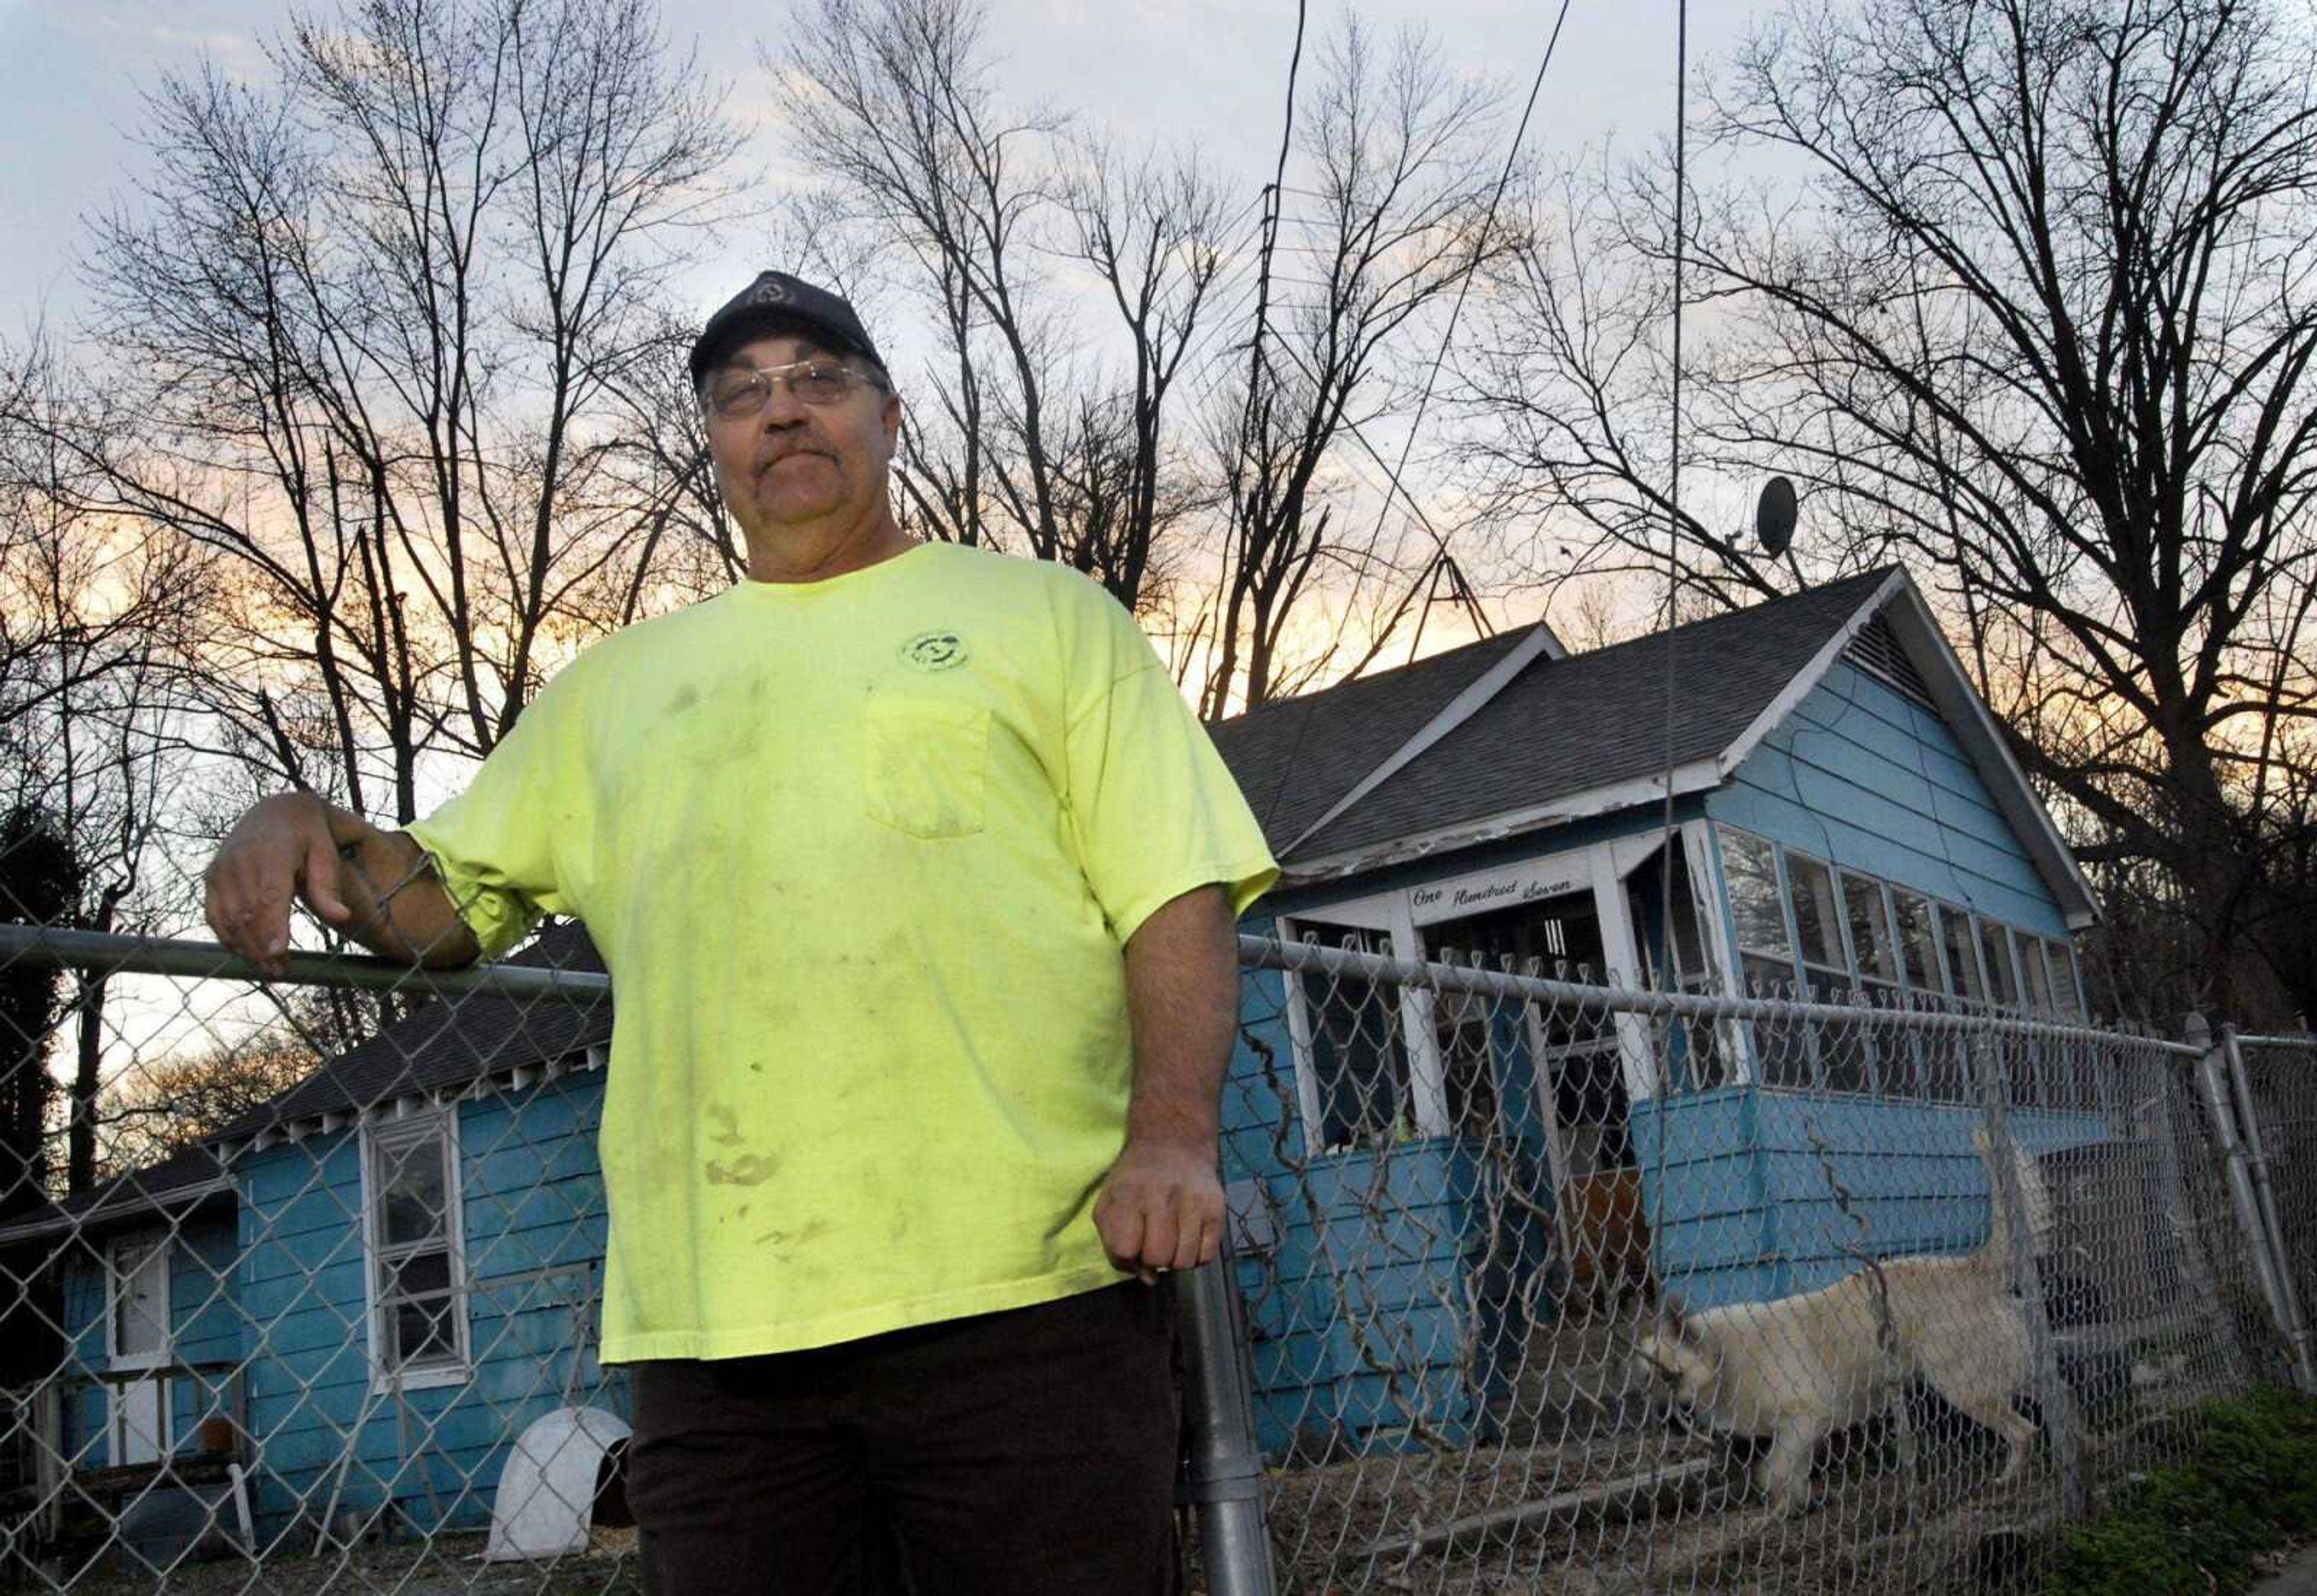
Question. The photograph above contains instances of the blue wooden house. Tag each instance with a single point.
(404, 1249)
(359, 1295)
(1814, 790)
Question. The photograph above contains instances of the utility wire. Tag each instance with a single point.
(1465, 286)
(1512, 157)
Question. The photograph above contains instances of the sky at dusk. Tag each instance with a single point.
(1204, 72)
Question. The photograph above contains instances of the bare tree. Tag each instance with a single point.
(1401, 165)
(1155, 233)
(371, 323)
(2042, 326)
(95, 702)
(909, 134)
(178, 1101)
(1026, 433)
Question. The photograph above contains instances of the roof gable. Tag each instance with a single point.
(1559, 726)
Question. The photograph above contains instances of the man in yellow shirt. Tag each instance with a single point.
(916, 880)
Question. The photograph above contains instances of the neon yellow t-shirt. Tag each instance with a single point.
(861, 856)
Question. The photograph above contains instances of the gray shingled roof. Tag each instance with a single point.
(1560, 728)
(450, 1042)
(1294, 758)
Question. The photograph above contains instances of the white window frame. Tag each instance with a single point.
(159, 1245)
(156, 1244)
(388, 1135)
(1597, 866)
(1366, 914)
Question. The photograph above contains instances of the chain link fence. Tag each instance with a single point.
(1535, 1284)
(1554, 1287)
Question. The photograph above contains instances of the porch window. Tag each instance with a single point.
(1826, 972)
(417, 1291)
(1963, 981)
(1868, 918)
(1766, 956)
(1357, 1059)
(1919, 941)
(1866, 914)
(2032, 974)
(2067, 995)
(1694, 1048)
(1995, 950)
(1765, 952)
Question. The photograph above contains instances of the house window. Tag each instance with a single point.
(140, 1302)
(1995, 950)
(1695, 1047)
(1766, 956)
(1875, 952)
(417, 1289)
(2066, 996)
(1356, 1058)
(1870, 937)
(2033, 976)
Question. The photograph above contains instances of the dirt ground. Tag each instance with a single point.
(452, 1566)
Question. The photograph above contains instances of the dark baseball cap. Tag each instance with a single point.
(775, 303)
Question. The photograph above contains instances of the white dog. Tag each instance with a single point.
(1800, 1367)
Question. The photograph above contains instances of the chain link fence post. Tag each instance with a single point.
(2288, 1296)
(1224, 1465)
(2052, 1394)
(2211, 1075)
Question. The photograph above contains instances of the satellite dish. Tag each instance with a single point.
(1774, 516)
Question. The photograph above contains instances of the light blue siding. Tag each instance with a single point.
(1860, 776)
(1916, 1182)
(533, 1232)
(1713, 1238)
(1358, 1313)
(1740, 1184)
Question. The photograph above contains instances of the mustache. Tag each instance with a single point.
(772, 458)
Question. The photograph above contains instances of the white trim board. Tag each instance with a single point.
(1696, 777)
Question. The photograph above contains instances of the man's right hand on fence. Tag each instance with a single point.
(375, 885)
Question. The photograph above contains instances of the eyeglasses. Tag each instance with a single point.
(736, 392)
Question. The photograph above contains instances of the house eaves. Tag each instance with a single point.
(493, 1081)
(1697, 775)
(1901, 603)
(1918, 632)
(1894, 597)
(176, 1199)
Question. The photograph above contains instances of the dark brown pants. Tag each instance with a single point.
(1031, 1450)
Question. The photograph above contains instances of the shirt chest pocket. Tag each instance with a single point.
(923, 765)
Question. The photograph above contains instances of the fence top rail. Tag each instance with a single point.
(2306, 1042)
(56, 948)
(1267, 953)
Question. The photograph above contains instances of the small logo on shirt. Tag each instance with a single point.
(933, 650)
